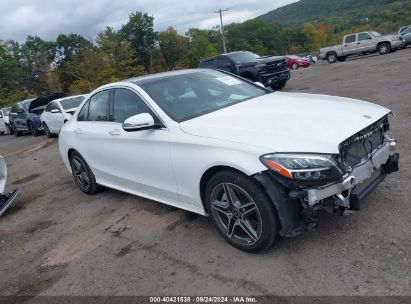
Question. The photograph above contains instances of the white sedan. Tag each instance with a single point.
(261, 164)
(58, 112)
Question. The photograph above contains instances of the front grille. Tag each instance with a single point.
(358, 147)
(276, 66)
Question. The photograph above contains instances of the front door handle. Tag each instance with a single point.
(114, 132)
(78, 131)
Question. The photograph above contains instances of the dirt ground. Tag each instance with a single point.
(55, 240)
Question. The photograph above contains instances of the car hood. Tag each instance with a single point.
(40, 103)
(265, 59)
(288, 122)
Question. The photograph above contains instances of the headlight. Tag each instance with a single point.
(303, 166)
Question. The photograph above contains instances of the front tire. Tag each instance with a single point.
(9, 129)
(294, 66)
(241, 211)
(35, 132)
(384, 48)
(279, 86)
(47, 131)
(332, 58)
(82, 174)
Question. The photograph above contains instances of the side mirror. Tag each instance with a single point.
(139, 122)
(259, 84)
(55, 111)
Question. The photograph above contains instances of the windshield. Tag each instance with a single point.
(186, 96)
(243, 57)
(71, 103)
(375, 34)
(6, 111)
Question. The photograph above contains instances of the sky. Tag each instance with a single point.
(49, 18)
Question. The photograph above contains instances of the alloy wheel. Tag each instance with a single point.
(236, 214)
(80, 173)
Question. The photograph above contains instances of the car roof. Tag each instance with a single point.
(140, 80)
(224, 54)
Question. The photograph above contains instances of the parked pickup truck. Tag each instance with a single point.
(361, 43)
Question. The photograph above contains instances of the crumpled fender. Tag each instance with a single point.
(3, 174)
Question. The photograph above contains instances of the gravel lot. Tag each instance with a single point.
(55, 240)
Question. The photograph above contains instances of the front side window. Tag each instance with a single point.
(194, 94)
(375, 34)
(127, 104)
(54, 106)
(48, 107)
(224, 62)
(209, 64)
(98, 107)
(350, 39)
(364, 36)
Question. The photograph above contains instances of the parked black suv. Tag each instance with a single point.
(269, 70)
(25, 115)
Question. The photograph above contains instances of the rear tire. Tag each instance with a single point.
(82, 174)
(384, 48)
(241, 211)
(35, 132)
(294, 66)
(332, 58)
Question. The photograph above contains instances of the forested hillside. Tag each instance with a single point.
(383, 15)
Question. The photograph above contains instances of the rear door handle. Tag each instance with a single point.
(78, 131)
(114, 132)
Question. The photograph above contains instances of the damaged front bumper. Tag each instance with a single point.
(298, 207)
(367, 173)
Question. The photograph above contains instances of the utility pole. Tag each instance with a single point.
(220, 11)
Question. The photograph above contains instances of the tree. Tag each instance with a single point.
(112, 60)
(173, 47)
(36, 57)
(317, 35)
(139, 31)
(200, 46)
(11, 76)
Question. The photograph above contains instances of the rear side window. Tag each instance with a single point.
(127, 104)
(98, 107)
(209, 64)
(350, 39)
(223, 62)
